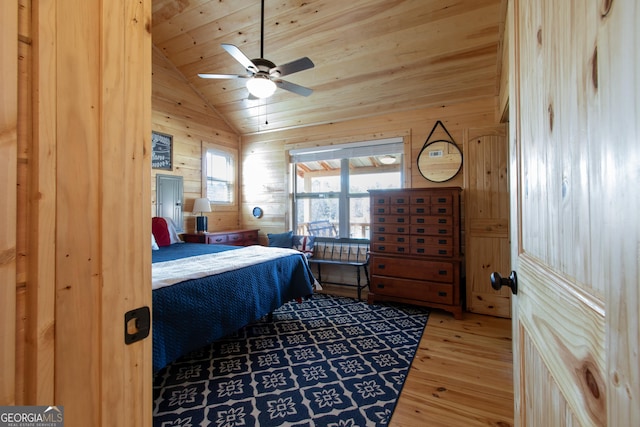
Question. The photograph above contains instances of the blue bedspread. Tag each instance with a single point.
(194, 313)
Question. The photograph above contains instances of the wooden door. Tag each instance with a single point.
(486, 196)
(169, 193)
(86, 93)
(574, 157)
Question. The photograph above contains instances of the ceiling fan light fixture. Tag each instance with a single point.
(261, 86)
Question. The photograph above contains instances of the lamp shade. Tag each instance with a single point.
(202, 205)
(261, 86)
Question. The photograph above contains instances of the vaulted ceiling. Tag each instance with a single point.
(371, 56)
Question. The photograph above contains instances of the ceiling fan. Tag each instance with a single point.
(264, 75)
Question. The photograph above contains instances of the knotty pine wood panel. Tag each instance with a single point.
(24, 140)
(102, 152)
(37, 369)
(180, 112)
(502, 112)
(8, 174)
(440, 54)
(487, 219)
(264, 163)
(618, 71)
(575, 250)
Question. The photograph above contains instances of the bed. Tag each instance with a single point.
(194, 305)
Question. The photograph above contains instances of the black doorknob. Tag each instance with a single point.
(511, 282)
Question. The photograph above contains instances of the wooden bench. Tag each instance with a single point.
(322, 228)
(351, 252)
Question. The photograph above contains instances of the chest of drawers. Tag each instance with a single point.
(415, 247)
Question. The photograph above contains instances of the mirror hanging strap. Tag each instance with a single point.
(433, 130)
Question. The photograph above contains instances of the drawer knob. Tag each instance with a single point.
(442, 294)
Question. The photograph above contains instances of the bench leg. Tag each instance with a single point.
(319, 275)
(358, 282)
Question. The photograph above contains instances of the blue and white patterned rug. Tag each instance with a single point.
(328, 361)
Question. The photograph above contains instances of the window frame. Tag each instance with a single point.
(343, 197)
(232, 153)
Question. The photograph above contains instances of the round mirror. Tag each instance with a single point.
(440, 161)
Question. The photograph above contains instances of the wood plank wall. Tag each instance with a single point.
(8, 162)
(179, 111)
(75, 125)
(264, 161)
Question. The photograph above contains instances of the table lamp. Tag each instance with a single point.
(201, 205)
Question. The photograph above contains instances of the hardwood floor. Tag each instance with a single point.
(461, 374)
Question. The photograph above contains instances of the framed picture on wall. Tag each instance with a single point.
(161, 151)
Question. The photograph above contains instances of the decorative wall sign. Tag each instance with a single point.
(439, 160)
(161, 151)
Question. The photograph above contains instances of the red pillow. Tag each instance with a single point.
(160, 231)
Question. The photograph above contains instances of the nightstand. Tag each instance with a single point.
(230, 237)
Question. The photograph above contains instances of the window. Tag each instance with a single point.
(330, 188)
(219, 174)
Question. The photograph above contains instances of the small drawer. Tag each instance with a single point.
(251, 237)
(420, 201)
(427, 250)
(399, 210)
(235, 238)
(432, 230)
(390, 248)
(390, 228)
(380, 201)
(391, 238)
(392, 219)
(217, 239)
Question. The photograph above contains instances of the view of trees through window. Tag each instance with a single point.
(335, 192)
(220, 172)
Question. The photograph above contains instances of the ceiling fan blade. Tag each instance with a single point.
(292, 67)
(240, 57)
(224, 76)
(292, 87)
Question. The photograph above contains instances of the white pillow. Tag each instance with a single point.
(154, 244)
(173, 234)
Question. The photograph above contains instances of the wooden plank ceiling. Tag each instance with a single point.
(371, 56)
